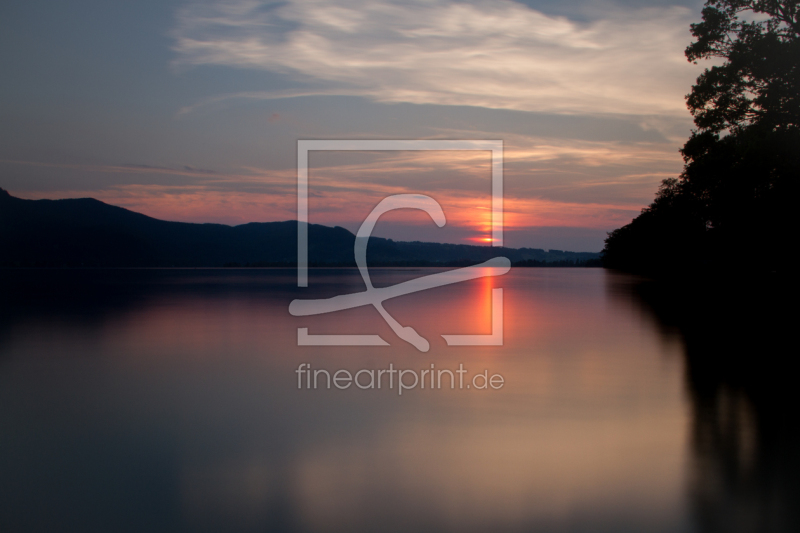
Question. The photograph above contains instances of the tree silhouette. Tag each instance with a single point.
(758, 83)
(733, 204)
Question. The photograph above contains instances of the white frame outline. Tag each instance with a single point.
(305, 146)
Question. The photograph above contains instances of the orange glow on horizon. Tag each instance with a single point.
(344, 189)
(187, 204)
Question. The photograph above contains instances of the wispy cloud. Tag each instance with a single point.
(186, 170)
(497, 54)
(344, 190)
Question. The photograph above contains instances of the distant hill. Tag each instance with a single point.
(87, 232)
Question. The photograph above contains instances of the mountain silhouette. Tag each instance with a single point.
(89, 233)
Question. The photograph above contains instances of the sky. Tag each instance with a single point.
(191, 110)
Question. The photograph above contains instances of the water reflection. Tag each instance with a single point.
(168, 401)
(745, 473)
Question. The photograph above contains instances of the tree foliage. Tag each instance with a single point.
(758, 82)
(739, 186)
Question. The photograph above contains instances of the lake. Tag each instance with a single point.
(170, 400)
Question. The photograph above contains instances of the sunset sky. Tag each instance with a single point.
(192, 110)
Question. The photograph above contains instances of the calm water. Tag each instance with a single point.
(168, 400)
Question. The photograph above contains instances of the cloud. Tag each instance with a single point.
(124, 168)
(497, 54)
